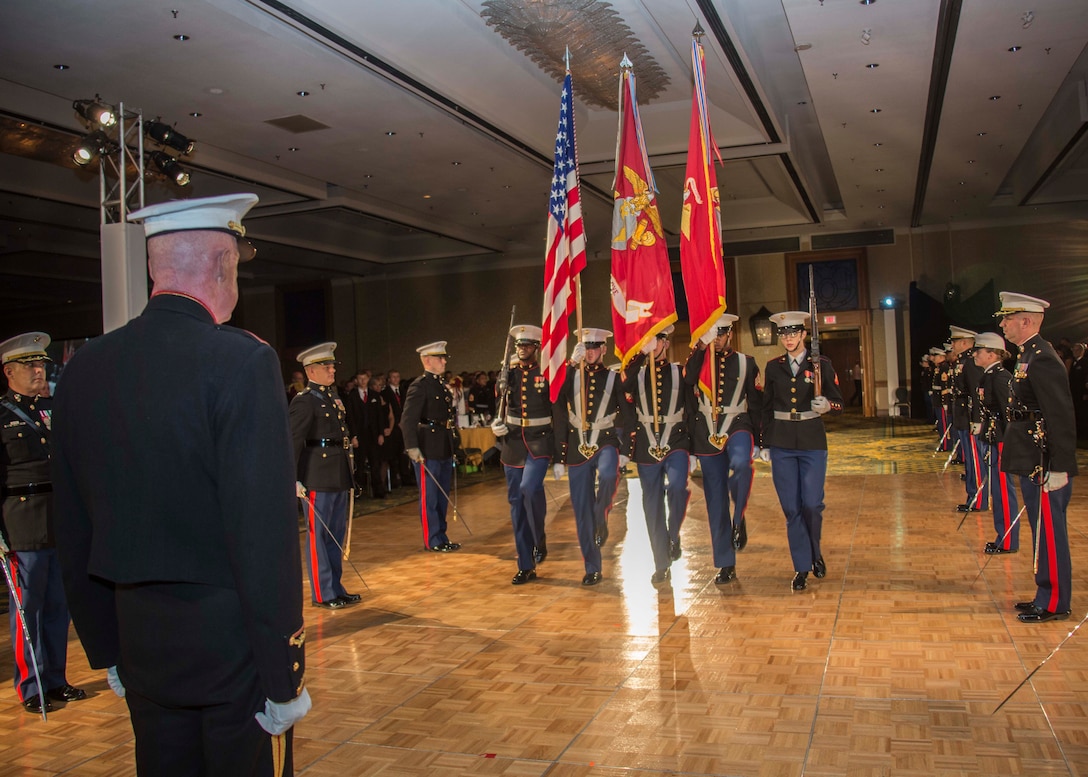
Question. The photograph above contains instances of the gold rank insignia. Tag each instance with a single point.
(298, 638)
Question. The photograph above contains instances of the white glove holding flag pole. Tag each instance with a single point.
(649, 346)
(578, 355)
(1056, 481)
(559, 471)
(765, 455)
(820, 405)
(499, 428)
(976, 429)
(756, 453)
(280, 716)
(415, 454)
(624, 461)
(114, 681)
(693, 461)
(708, 336)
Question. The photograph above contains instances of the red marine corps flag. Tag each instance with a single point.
(701, 221)
(642, 295)
(566, 247)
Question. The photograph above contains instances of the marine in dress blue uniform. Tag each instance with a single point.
(1040, 447)
(793, 432)
(965, 376)
(528, 444)
(322, 447)
(588, 444)
(174, 506)
(26, 521)
(661, 447)
(994, 396)
(429, 426)
(723, 437)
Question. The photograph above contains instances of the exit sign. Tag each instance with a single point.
(830, 319)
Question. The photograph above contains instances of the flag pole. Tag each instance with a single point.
(578, 316)
(696, 63)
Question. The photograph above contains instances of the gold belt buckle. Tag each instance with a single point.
(659, 451)
(718, 440)
(587, 450)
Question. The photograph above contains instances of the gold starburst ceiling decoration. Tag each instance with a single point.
(596, 36)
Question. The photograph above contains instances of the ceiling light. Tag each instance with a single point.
(90, 147)
(390, 133)
(293, 148)
(426, 196)
(866, 2)
(196, 114)
(1014, 49)
(995, 97)
(879, 191)
(878, 145)
(96, 112)
(980, 134)
(302, 93)
(455, 164)
(803, 102)
(169, 167)
(873, 65)
(970, 161)
(168, 136)
(880, 170)
(182, 37)
(875, 110)
(61, 67)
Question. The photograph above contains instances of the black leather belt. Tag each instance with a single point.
(27, 489)
(1023, 415)
(437, 424)
(329, 442)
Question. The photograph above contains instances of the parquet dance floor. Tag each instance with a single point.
(891, 665)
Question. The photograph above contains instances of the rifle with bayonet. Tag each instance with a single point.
(814, 350)
(503, 382)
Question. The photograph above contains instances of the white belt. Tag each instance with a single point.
(671, 418)
(523, 422)
(796, 415)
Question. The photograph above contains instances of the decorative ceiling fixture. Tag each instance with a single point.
(866, 36)
(1027, 19)
(595, 34)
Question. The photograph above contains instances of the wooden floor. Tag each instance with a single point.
(891, 665)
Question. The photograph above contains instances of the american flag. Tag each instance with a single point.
(566, 247)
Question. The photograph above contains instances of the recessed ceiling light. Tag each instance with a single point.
(970, 161)
(873, 65)
(215, 90)
(881, 207)
(196, 114)
(962, 183)
(302, 93)
(426, 196)
(475, 213)
(995, 97)
(183, 37)
(390, 133)
(875, 110)
(1014, 49)
(455, 164)
(368, 175)
(981, 134)
(880, 170)
(879, 191)
(803, 102)
(878, 145)
(61, 67)
(293, 148)
(866, 2)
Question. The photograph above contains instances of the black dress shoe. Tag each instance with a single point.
(800, 581)
(819, 568)
(965, 508)
(332, 604)
(1024, 606)
(540, 553)
(660, 576)
(1039, 615)
(523, 576)
(65, 693)
(34, 705)
(591, 578)
(675, 551)
(996, 550)
(602, 534)
(740, 535)
(445, 547)
(963, 476)
(352, 598)
(726, 575)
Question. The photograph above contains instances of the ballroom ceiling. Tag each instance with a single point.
(416, 136)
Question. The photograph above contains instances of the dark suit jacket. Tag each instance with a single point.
(172, 463)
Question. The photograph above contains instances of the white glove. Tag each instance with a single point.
(114, 680)
(300, 490)
(280, 716)
(624, 461)
(499, 428)
(765, 455)
(757, 453)
(1055, 481)
(709, 335)
(649, 346)
(693, 462)
(559, 471)
(820, 405)
(976, 429)
(415, 454)
(578, 355)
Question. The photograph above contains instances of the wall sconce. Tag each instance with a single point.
(762, 328)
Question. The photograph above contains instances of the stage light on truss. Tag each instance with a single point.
(169, 167)
(168, 136)
(96, 112)
(89, 149)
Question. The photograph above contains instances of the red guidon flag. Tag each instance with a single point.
(701, 222)
(566, 247)
(642, 295)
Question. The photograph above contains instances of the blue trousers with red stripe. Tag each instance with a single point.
(665, 482)
(327, 518)
(593, 501)
(798, 477)
(1004, 502)
(528, 507)
(726, 475)
(38, 585)
(433, 504)
(1054, 570)
(974, 463)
